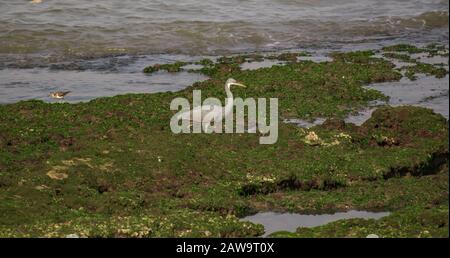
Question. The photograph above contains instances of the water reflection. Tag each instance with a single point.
(274, 222)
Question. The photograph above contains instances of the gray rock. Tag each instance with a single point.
(72, 236)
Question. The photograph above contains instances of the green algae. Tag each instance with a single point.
(181, 223)
(404, 48)
(402, 52)
(289, 57)
(423, 68)
(128, 173)
(431, 50)
(318, 86)
(171, 68)
(402, 57)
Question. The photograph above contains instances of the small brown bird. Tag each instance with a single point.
(58, 94)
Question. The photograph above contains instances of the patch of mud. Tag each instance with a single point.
(274, 222)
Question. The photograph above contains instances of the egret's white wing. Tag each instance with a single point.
(196, 114)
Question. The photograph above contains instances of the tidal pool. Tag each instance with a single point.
(426, 91)
(266, 63)
(273, 221)
(305, 123)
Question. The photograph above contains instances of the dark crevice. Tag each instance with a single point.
(290, 183)
(430, 167)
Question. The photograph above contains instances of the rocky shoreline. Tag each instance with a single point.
(111, 167)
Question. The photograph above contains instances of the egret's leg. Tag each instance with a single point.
(206, 127)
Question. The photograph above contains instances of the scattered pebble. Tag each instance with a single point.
(41, 187)
(72, 236)
(57, 175)
(312, 139)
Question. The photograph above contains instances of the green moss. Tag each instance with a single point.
(419, 67)
(239, 59)
(288, 57)
(401, 57)
(254, 57)
(206, 62)
(404, 48)
(124, 169)
(361, 57)
(181, 223)
(435, 49)
(431, 49)
(393, 194)
(172, 68)
(428, 69)
(324, 89)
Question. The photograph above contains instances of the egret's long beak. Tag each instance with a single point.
(239, 84)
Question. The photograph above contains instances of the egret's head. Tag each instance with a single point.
(230, 82)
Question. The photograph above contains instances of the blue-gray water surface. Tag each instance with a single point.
(99, 48)
(85, 28)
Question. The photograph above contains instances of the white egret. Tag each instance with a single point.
(210, 112)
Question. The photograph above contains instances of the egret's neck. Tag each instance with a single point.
(230, 101)
(228, 91)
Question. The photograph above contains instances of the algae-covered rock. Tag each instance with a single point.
(171, 68)
(128, 175)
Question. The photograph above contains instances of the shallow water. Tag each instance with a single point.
(19, 84)
(426, 91)
(274, 222)
(64, 30)
(88, 80)
(305, 123)
(260, 64)
(99, 48)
